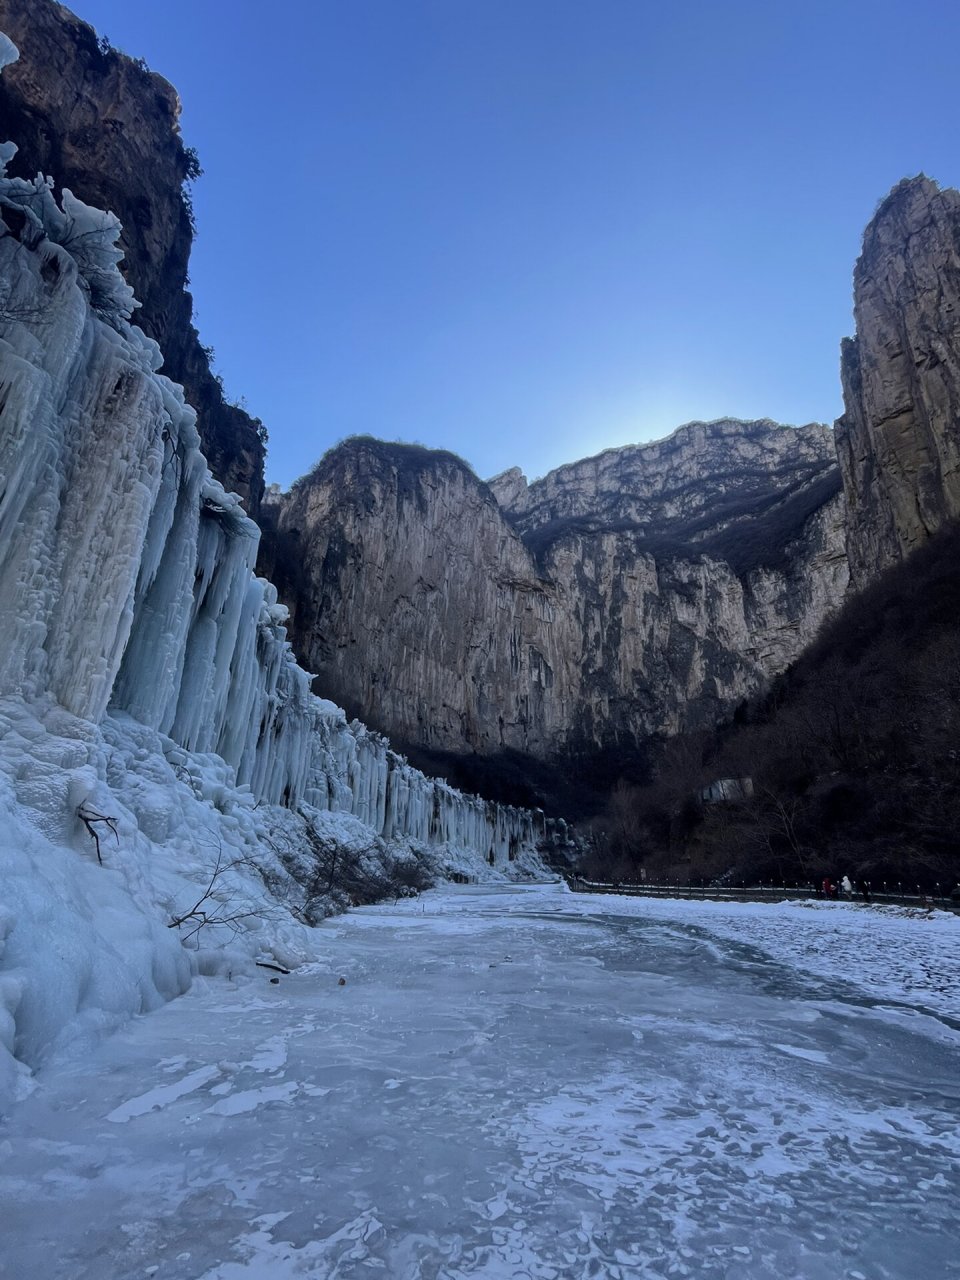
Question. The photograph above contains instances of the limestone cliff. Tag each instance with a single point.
(106, 128)
(899, 438)
(640, 591)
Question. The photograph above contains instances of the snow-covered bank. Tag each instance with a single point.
(85, 945)
(889, 952)
(507, 1085)
(151, 705)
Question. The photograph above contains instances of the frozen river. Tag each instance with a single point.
(519, 1083)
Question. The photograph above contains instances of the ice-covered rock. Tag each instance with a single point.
(108, 128)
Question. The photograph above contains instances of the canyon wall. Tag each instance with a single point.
(642, 591)
(106, 128)
(899, 438)
(649, 588)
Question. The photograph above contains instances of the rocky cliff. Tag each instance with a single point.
(638, 592)
(106, 128)
(899, 438)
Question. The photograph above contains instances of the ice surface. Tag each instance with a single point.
(520, 1082)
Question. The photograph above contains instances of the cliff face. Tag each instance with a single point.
(899, 438)
(105, 128)
(640, 591)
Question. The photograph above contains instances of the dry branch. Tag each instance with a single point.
(89, 818)
(218, 914)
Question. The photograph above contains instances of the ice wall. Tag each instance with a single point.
(126, 571)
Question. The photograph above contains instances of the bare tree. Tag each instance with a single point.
(207, 910)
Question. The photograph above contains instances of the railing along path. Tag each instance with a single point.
(899, 895)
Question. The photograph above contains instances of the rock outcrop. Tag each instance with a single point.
(899, 438)
(107, 129)
(638, 592)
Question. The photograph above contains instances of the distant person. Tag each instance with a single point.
(828, 887)
(864, 887)
(846, 884)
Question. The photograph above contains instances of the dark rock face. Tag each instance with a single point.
(899, 438)
(641, 591)
(102, 125)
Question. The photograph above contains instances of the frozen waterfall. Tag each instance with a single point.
(127, 573)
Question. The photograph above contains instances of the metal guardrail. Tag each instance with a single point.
(764, 893)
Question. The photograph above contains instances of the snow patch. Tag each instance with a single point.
(8, 51)
(163, 1095)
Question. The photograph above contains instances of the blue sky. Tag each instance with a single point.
(527, 230)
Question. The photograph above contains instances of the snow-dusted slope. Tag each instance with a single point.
(147, 679)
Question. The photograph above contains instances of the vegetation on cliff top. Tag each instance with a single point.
(749, 530)
(409, 459)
